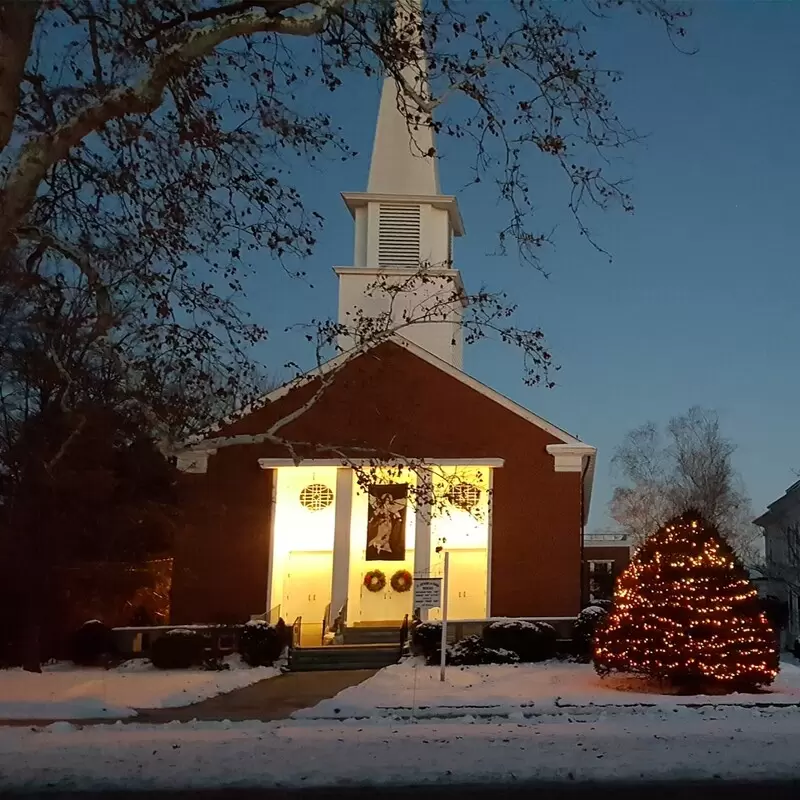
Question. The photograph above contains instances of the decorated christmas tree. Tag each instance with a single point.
(685, 612)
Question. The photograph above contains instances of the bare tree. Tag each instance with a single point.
(143, 161)
(687, 466)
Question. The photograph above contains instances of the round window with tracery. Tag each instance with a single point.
(316, 496)
(464, 495)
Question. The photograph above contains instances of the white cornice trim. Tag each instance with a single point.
(569, 457)
(577, 457)
(277, 463)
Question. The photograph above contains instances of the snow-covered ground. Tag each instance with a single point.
(64, 691)
(686, 743)
(411, 690)
(551, 721)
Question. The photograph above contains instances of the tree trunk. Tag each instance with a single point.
(17, 20)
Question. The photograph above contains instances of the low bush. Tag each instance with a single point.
(583, 630)
(92, 644)
(261, 644)
(473, 651)
(426, 640)
(531, 641)
(179, 648)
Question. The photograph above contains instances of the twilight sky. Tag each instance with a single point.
(699, 303)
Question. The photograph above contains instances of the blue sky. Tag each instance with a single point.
(699, 303)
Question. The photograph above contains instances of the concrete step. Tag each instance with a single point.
(306, 659)
(369, 635)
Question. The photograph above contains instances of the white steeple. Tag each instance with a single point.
(404, 225)
(403, 153)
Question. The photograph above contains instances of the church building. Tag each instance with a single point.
(395, 455)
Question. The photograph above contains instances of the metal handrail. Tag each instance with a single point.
(297, 628)
(325, 623)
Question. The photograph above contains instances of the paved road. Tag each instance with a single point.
(717, 790)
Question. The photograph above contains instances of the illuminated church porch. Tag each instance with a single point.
(338, 546)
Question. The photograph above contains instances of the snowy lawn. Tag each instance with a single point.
(64, 691)
(686, 743)
(412, 690)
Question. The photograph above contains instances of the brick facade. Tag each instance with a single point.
(394, 401)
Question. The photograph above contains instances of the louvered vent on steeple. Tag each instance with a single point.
(399, 235)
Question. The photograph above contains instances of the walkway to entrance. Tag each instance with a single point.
(268, 700)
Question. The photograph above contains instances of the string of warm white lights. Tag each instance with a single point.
(685, 611)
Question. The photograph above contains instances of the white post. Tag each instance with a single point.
(422, 530)
(445, 586)
(341, 539)
(489, 515)
(274, 598)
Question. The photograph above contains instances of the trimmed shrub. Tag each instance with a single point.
(179, 648)
(473, 651)
(531, 641)
(261, 644)
(583, 630)
(426, 640)
(604, 604)
(92, 644)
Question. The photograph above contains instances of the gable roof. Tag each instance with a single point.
(566, 440)
(435, 361)
(788, 501)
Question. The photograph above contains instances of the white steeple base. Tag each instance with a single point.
(425, 306)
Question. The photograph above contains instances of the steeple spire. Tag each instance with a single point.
(403, 153)
(402, 265)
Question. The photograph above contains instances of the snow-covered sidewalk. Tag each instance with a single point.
(413, 691)
(685, 744)
(64, 692)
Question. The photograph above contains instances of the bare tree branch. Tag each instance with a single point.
(105, 311)
(43, 152)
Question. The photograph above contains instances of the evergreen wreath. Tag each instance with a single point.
(402, 580)
(375, 580)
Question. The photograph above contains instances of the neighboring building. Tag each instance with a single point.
(294, 534)
(605, 556)
(781, 525)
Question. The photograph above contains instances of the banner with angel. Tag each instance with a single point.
(386, 522)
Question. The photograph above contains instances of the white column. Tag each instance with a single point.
(341, 539)
(422, 529)
(490, 514)
(273, 597)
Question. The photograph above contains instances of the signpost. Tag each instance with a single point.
(432, 593)
(444, 614)
(427, 593)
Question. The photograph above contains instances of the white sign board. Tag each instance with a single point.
(428, 593)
